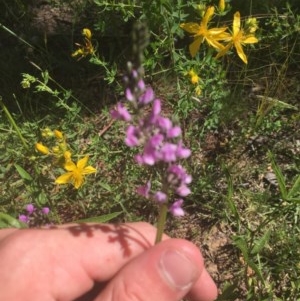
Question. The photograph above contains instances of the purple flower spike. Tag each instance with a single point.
(176, 209)
(30, 208)
(45, 210)
(121, 113)
(23, 218)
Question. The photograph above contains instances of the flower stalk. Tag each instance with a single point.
(13, 123)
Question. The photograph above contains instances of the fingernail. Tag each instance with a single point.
(178, 270)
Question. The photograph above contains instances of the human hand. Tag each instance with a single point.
(93, 262)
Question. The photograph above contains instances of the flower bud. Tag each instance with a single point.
(42, 148)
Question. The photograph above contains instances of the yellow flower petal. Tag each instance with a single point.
(224, 51)
(194, 47)
(190, 27)
(250, 40)
(82, 162)
(70, 166)
(236, 24)
(209, 13)
(88, 170)
(240, 52)
(64, 179)
(42, 148)
(78, 180)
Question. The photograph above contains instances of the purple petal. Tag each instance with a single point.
(147, 97)
(121, 113)
(30, 208)
(160, 197)
(174, 132)
(156, 107)
(141, 85)
(23, 218)
(182, 152)
(183, 190)
(168, 152)
(129, 95)
(176, 209)
(164, 123)
(132, 136)
(45, 210)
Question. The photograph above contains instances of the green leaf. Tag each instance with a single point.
(279, 177)
(260, 243)
(7, 221)
(106, 186)
(242, 245)
(295, 190)
(256, 269)
(99, 219)
(23, 173)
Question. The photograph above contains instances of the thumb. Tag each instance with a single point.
(166, 272)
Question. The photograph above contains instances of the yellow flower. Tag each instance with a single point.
(202, 33)
(193, 77)
(221, 5)
(238, 38)
(76, 172)
(87, 48)
(42, 148)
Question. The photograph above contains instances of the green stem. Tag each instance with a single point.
(161, 222)
(13, 124)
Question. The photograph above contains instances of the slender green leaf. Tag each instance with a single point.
(23, 173)
(260, 243)
(295, 190)
(242, 245)
(7, 221)
(279, 177)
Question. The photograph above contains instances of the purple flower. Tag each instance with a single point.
(45, 210)
(147, 97)
(132, 138)
(176, 209)
(183, 190)
(129, 95)
(23, 218)
(121, 113)
(30, 208)
(182, 152)
(174, 132)
(160, 197)
(168, 152)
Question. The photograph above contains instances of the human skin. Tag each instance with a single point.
(93, 262)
